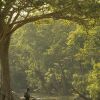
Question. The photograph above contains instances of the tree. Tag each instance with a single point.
(16, 13)
(94, 81)
(57, 57)
(85, 48)
(46, 44)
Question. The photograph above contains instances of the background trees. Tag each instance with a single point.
(16, 13)
(59, 57)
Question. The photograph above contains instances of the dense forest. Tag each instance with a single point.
(56, 57)
(50, 47)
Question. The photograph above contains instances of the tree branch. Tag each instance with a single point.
(55, 15)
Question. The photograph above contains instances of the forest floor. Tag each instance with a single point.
(48, 97)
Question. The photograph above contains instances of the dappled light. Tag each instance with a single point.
(49, 50)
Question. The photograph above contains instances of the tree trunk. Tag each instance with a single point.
(4, 60)
(63, 80)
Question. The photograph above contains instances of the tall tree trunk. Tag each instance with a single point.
(5, 86)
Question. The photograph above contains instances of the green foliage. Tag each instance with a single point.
(94, 82)
(55, 56)
(48, 56)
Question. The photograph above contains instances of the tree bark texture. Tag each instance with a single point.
(4, 60)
